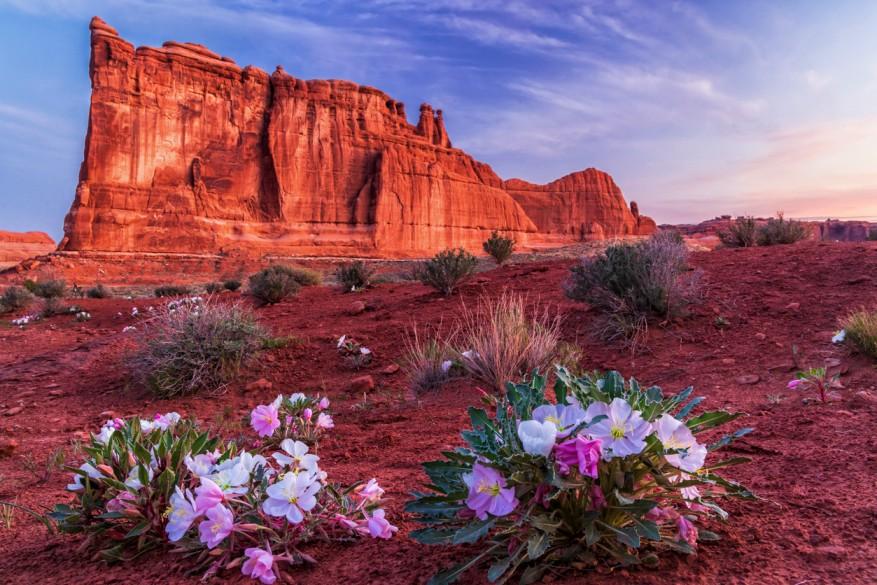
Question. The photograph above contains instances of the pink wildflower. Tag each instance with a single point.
(324, 403)
(259, 565)
(378, 526)
(598, 500)
(370, 492)
(119, 503)
(687, 531)
(307, 413)
(264, 419)
(793, 384)
(488, 492)
(579, 451)
(208, 495)
(218, 525)
(324, 421)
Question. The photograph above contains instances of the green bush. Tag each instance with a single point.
(171, 290)
(195, 347)
(232, 285)
(15, 298)
(275, 283)
(354, 276)
(740, 234)
(213, 287)
(46, 289)
(499, 247)
(779, 230)
(98, 292)
(446, 270)
(631, 282)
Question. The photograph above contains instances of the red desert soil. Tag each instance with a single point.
(813, 465)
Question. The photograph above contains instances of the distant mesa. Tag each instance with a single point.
(187, 152)
(18, 246)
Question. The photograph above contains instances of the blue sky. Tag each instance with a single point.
(696, 108)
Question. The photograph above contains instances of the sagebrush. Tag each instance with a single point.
(15, 298)
(743, 233)
(275, 283)
(447, 270)
(499, 247)
(195, 347)
(98, 291)
(779, 230)
(355, 276)
(171, 290)
(47, 289)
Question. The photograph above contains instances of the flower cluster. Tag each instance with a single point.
(21, 322)
(147, 483)
(295, 416)
(83, 316)
(187, 301)
(356, 354)
(611, 471)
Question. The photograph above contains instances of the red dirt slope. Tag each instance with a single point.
(813, 465)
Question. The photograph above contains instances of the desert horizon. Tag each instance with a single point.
(434, 292)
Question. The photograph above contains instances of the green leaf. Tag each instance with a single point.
(727, 463)
(497, 569)
(537, 544)
(708, 420)
(473, 532)
(431, 505)
(728, 439)
(647, 529)
(686, 410)
(532, 574)
(141, 528)
(626, 536)
(433, 536)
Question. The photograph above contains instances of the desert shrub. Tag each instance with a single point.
(631, 282)
(743, 233)
(779, 230)
(446, 270)
(355, 276)
(98, 291)
(281, 342)
(860, 327)
(213, 287)
(275, 283)
(46, 289)
(232, 284)
(872, 235)
(501, 342)
(15, 298)
(171, 290)
(52, 306)
(429, 361)
(163, 483)
(499, 247)
(613, 473)
(195, 347)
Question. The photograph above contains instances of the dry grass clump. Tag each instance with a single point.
(193, 347)
(15, 298)
(502, 342)
(429, 361)
(630, 283)
(861, 330)
(355, 276)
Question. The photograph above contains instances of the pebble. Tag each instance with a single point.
(747, 379)
(14, 410)
(362, 384)
(391, 369)
(760, 336)
(356, 308)
(7, 447)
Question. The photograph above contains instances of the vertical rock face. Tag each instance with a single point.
(187, 152)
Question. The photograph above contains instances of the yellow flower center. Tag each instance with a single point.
(553, 420)
(293, 499)
(489, 488)
(215, 528)
(617, 432)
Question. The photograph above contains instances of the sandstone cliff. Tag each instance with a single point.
(17, 246)
(188, 152)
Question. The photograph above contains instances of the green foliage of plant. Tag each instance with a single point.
(743, 233)
(355, 276)
(281, 342)
(46, 289)
(98, 291)
(195, 347)
(446, 270)
(860, 328)
(275, 283)
(779, 230)
(232, 284)
(15, 298)
(171, 290)
(527, 508)
(499, 247)
(631, 282)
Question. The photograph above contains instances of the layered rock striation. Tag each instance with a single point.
(188, 152)
(18, 246)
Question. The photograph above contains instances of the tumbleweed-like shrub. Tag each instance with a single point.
(860, 328)
(743, 233)
(15, 298)
(446, 270)
(500, 340)
(499, 247)
(275, 283)
(171, 290)
(631, 282)
(354, 276)
(47, 289)
(610, 473)
(779, 230)
(98, 291)
(195, 347)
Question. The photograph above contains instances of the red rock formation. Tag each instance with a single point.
(583, 205)
(17, 246)
(187, 152)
